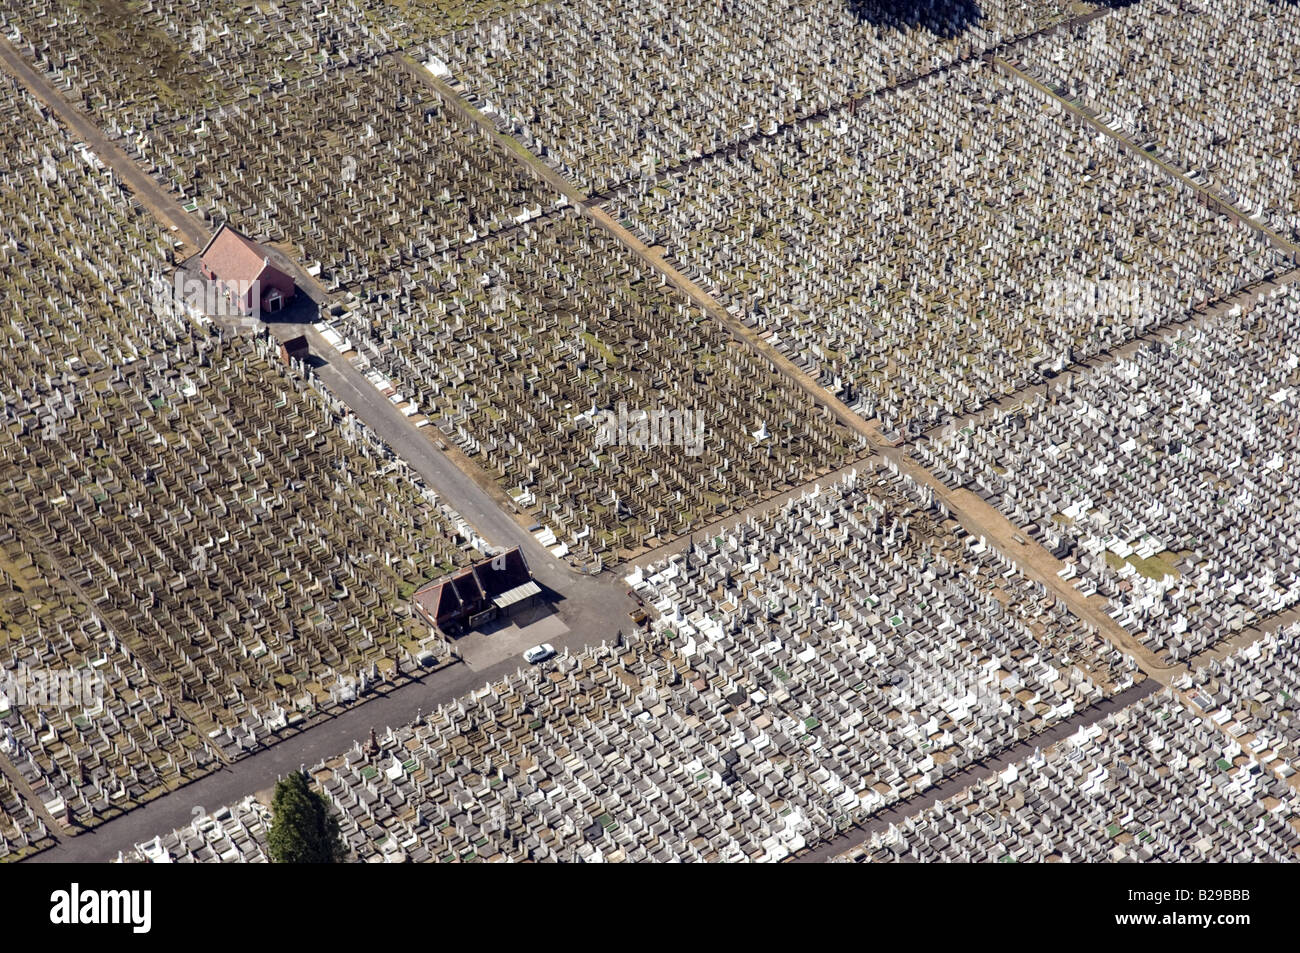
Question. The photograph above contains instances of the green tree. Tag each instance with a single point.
(303, 829)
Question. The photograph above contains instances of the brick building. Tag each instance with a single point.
(242, 270)
(478, 594)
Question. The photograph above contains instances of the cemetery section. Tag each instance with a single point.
(1166, 479)
(607, 91)
(366, 175)
(812, 666)
(519, 345)
(1171, 779)
(1213, 87)
(145, 64)
(228, 547)
(944, 245)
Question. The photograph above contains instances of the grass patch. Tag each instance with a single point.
(1155, 567)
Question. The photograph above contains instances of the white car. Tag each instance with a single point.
(539, 653)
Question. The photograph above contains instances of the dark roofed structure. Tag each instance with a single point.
(469, 597)
(296, 348)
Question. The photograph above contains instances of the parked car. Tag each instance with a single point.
(539, 653)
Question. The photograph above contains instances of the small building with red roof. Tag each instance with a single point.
(242, 270)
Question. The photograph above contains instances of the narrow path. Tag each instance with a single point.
(160, 203)
(954, 785)
(1211, 196)
(1197, 316)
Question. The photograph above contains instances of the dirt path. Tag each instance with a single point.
(977, 516)
(1211, 196)
(160, 203)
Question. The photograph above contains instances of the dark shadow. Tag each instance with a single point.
(301, 310)
(943, 18)
(496, 625)
(549, 595)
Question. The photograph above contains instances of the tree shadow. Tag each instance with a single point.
(943, 18)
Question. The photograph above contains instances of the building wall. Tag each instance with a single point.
(274, 278)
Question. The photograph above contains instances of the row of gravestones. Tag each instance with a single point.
(607, 90)
(727, 735)
(244, 546)
(1216, 89)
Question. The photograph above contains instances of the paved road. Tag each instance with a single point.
(975, 514)
(963, 779)
(592, 608)
(260, 771)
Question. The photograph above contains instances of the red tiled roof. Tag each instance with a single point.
(440, 602)
(233, 257)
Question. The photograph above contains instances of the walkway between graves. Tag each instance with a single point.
(1212, 197)
(949, 787)
(1197, 316)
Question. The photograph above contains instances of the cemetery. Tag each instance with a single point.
(1165, 780)
(634, 272)
(228, 547)
(915, 257)
(1215, 86)
(770, 705)
(460, 278)
(609, 90)
(518, 347)
(1169, 476)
